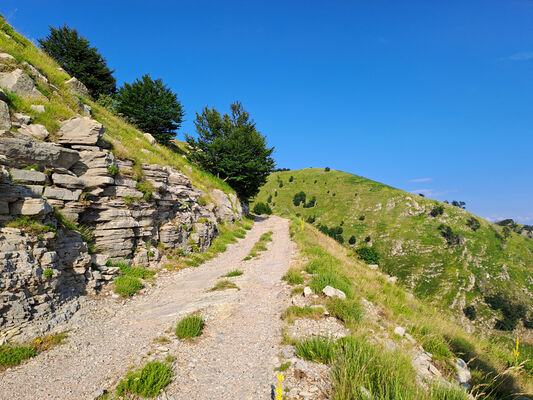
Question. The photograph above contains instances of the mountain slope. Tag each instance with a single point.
(457, 272)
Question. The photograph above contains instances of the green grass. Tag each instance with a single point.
(30, 226)
(283, 367)
(127, 286)
(190, 327)
(319, 349)
(231, 274)
(15, 354)
(147, 382)
(407, 238)
(441, 392)
(293, 313)
(293, 277)
(349, 311)
(331, 277)
(260, 245)
(223, 285)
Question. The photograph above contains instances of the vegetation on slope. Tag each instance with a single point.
(361, 359)
(442, 253)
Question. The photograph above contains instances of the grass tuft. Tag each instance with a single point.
(293, 277)
(319, 349)
(127, 286)
(231, 274)
(147, 382)
(190, 327)
(294, 312)
(223, 285)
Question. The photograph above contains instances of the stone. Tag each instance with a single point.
(228, 207)
(307, 291)
(410, 338)
(35, 72)
(7, 58)
(31, 207)
(392, 279)
(463, 373)
(332, 292)
(21, 152)
(35, 130)
(87, 109)
(400, 331)
(77, 87)
(5, 119)
(20, 83)
(38, 108)
(22, 119)
(150, 138)
(31, 177)
(93, 181)
(80, 130)
(62, 194)
(373, 266)
(4, 207)
(67, 181)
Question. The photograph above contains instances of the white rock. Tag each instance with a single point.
(62, 194)
(23, 176)
(77, 87)
(20, 83)
(37, 131)
(38, 108)
(332, 292)
(67, 181)
(307, 291)
(31, 207)
(22, 119)
(150, 138)
(373, 266)
(392, 279)
(80, 130)
(5, 120)
(400, 331)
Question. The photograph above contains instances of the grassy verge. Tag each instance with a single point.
(15, 354)
(294, 312)
(260, 245)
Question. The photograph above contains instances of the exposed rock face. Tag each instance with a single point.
(5, 120)
(35, 130)
(77, 87)
(228, 206)
(166, 214)
(20, 83)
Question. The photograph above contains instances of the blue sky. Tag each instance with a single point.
(427, 96)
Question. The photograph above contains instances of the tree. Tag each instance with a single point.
(152, 107)
(76, 56)
(230, 147)
(262, 208)
(299, 198)
(351, 240)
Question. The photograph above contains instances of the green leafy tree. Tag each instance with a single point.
(152, 107)
(76, 56)
(230, 147)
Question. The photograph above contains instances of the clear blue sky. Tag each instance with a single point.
(427, 96)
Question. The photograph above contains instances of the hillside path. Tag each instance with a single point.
(233, 359)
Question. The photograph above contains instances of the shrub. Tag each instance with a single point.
(48, 273)
(235, 272)
(152, 107)
(351, 240)
(345, 310)
(298, 198)
(319, 349)
(147, 382)
(74, 54)
(293, 277)
(511, 311)
(326, 169)
(291, 179)
(190, 327)
(261, 208)
(14, 355)
(311, 203)
(311, 219)
(473, 223)
(452, 238)
(145, 187)
(30, 225)
(470, 312)
(137, 272)
(362, 217)
(333, 232)
(368, 254)
(269, 199)
(437, 210)
(112, 170)
(127, 285)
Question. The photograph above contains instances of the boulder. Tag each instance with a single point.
(77, 87)
(38, 108)
(5, 119)
(20, 83)
(400, 331)
(21, 152)
(307, 291)
(34, 130)
(228, 206)
(463, 373)
(31, 207)
(27, 177)
(80, 130)
(22, 119)
(150, 138)
(34, 72)
(62, 194)
(332, 292)
(67, 181)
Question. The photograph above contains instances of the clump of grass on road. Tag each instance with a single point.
(147, 382)
(260, 245)
(190, 327)
(231, 274)
(127, 286)
(223, 285)
(293, 277)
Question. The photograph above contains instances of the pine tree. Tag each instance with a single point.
(152, 107)
(76, 56)
(230, 147)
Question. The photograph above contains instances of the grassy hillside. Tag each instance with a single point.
(61, 105)
(489, 357)
(458, 272)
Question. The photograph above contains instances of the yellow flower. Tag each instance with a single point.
(281, 377)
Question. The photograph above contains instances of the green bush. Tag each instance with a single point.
(48, 273)
(223, 285)
(452, 238)
(368, 254)
(319, 349)
(127, 285)
(437, 210)
(190, 327)
(261, 208)
(473, 223)
(14, 355)
(470, 312)
(351, 240)
(147, 382)
(112, 170)
(299, 198)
